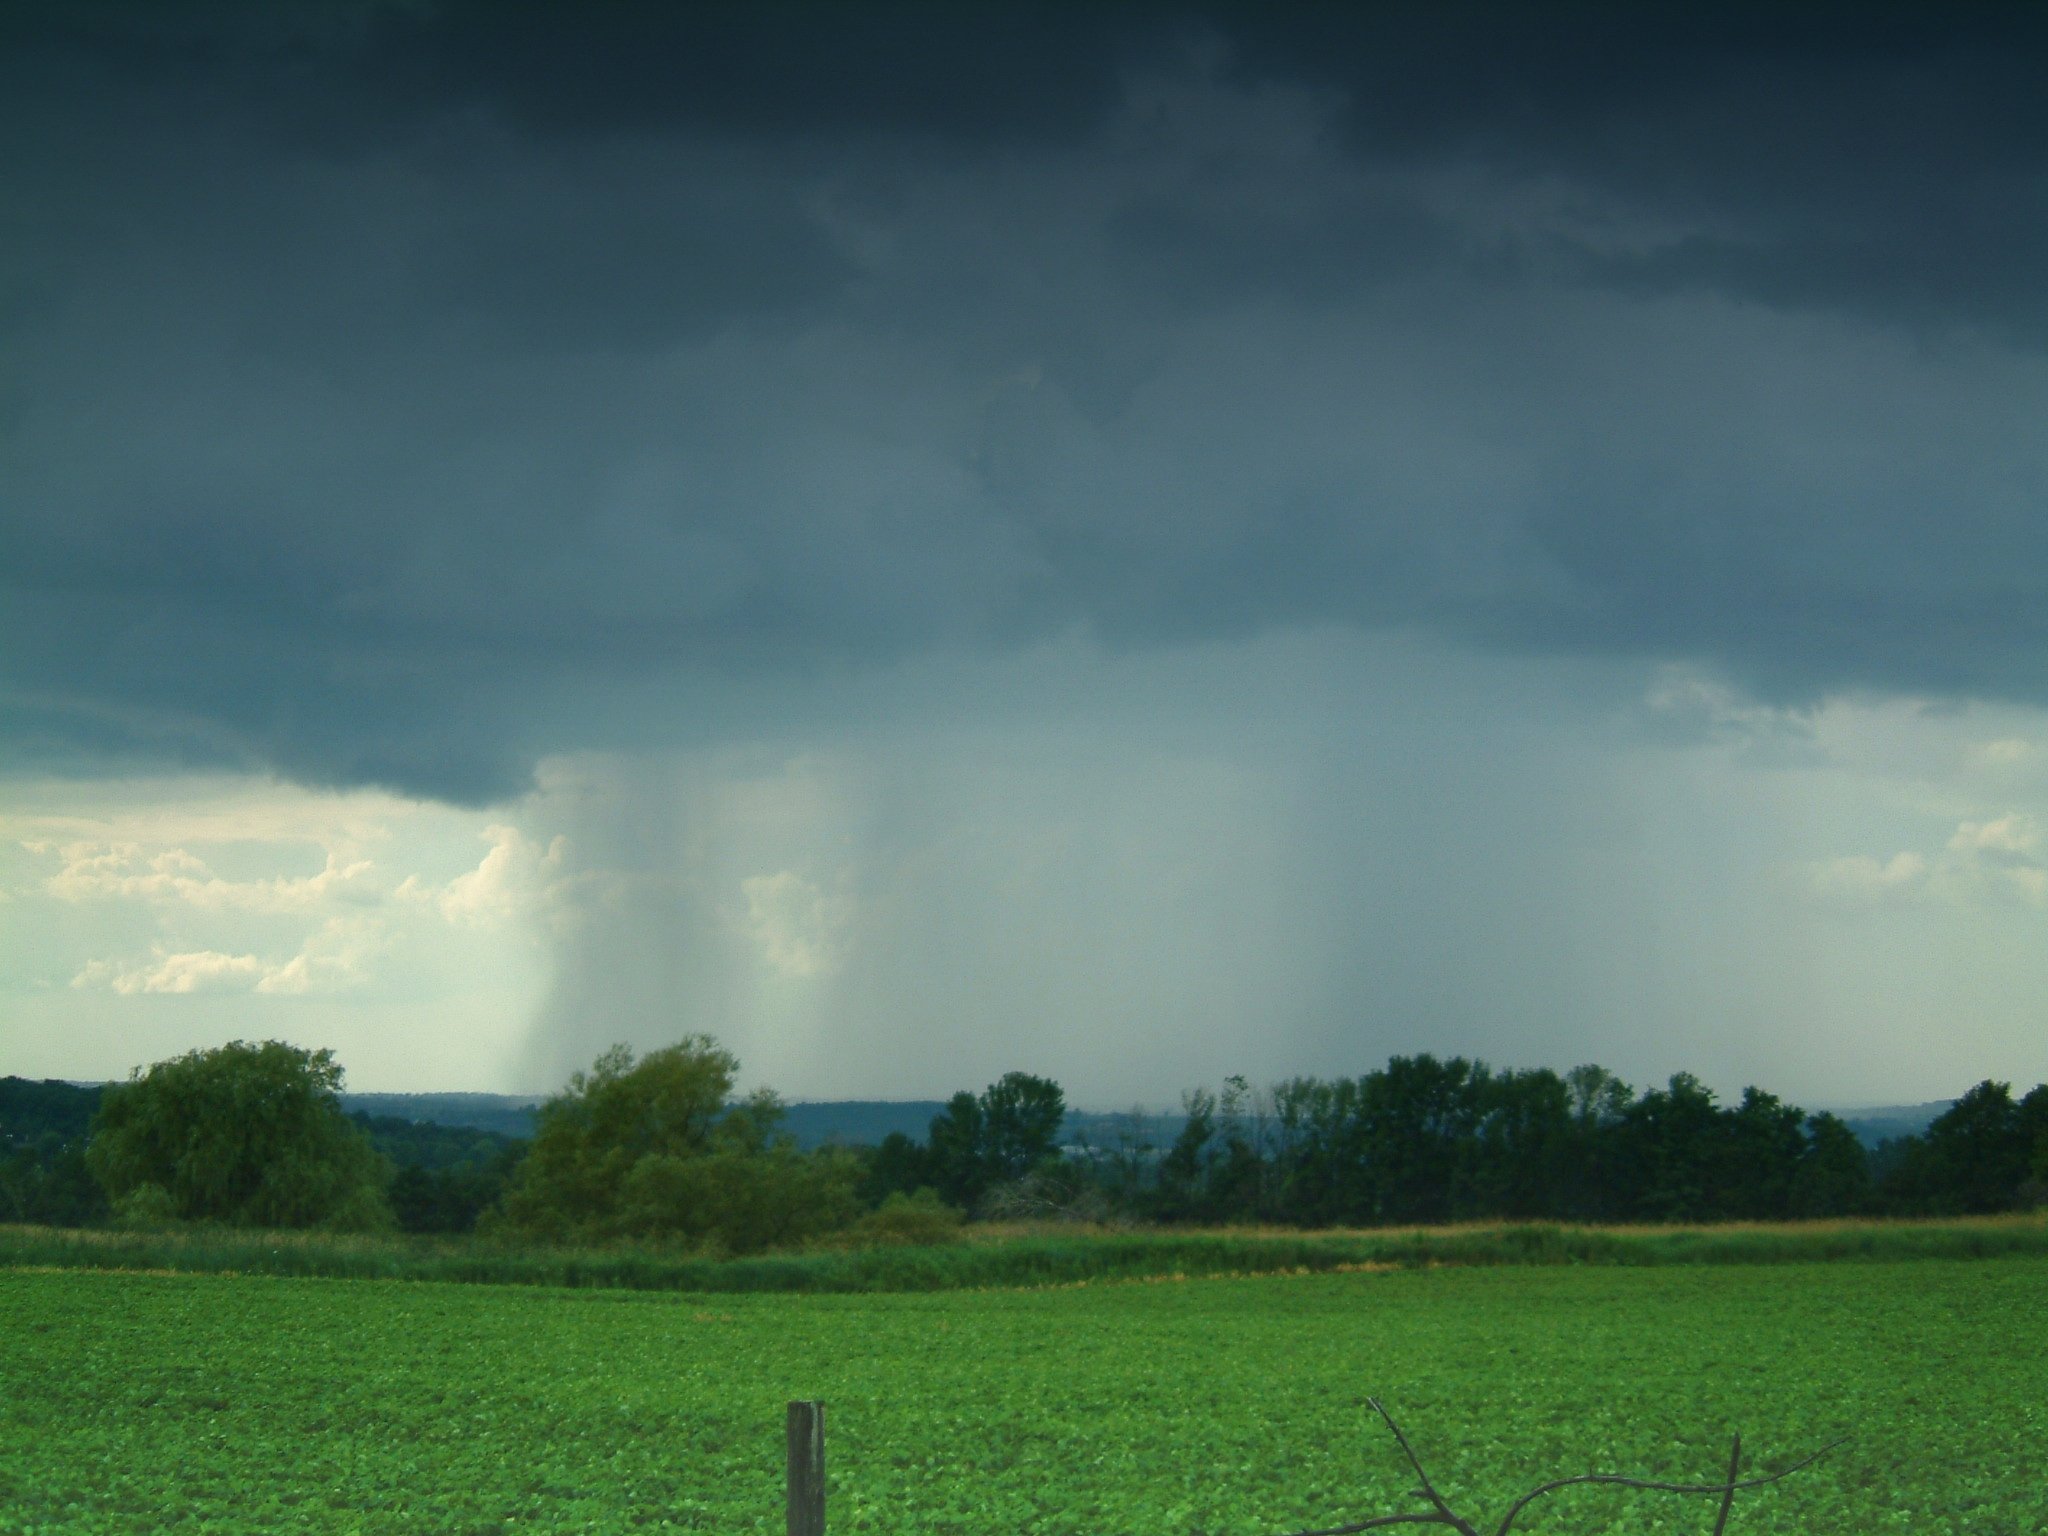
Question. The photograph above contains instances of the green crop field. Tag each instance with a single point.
(132, 1402)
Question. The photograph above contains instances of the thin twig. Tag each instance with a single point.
(1428, 1488)
(1443, 1514)
(1726, 1489)
(1728, 1498)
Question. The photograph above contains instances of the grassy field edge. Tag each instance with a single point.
(1018, 1255)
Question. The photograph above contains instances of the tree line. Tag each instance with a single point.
(1424, 1140)
(659, 1148)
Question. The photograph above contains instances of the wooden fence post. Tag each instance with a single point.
(806, 1469)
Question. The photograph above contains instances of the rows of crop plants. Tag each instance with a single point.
(246, 1404)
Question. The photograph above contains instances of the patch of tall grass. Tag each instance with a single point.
(1023, 1256)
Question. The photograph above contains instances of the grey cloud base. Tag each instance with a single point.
(398, 398)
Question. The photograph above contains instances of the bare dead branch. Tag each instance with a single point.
(1428, 1488)
(1443, 1514)
(1608, 1479)
(1728, 1497)
(1430, 1518)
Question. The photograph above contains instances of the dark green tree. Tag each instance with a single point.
(1020, 1117)
(1183, 1171)
(1004, 1133)
(1599, 1185)
(48, 1183)
(953, 1148)
(2033, 1120)
(1756, 1163)
(1833, 1177)
(1669, 1146)
(1978, 1152)
(248, 1135)
(1421, 1117)
(898, 1166)
(1524, 1145)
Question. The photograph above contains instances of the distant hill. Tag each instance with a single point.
(504, 1113)
(865, 1122)
(859, 1122)
(1888, 1122)
(841, 1122)
(31, 1109)
(814, 1123)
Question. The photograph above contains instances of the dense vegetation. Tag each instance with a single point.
(246, 1135)
(444, 1177)
(657, 1149)
(167, 1403)
(43, 1176)
(1047, 1254)
(1428, 1140)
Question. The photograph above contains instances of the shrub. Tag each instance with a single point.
(904, 1221)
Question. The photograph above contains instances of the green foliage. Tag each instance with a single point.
(652, 1149)
(1067, 1256)
(411, 1408)
(897, 1166)
(1424, 1141)
(43, 1174)
(920, 1219)
(982, 1141)
(247, 1135)
(447, 1175)
(146, 1208)
(31, 1110)
(452, 1198)
(48, 1182)
(1833, 1175)
(1980, 1150)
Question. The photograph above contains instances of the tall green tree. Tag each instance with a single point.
(1763, 1141)
(1979, 1152)
(1524, 1143)
(2033, 1123)
(953, 1150)
(1020, 1116)
(248, 1135)
(1670, 1145)
(980, 1141)
(655, 1148)
(1833, 1177)
(1421, 1119)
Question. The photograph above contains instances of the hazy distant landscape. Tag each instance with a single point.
(856, 1122)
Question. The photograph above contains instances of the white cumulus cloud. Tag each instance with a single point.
(519, 875)
(2001, 859)
(334, 957)
(2009, 838)
(1863, 878)
(797, 927)
(116, 871)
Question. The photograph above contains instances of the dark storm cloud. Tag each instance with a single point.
(393, 393)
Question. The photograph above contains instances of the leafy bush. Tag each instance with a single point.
(918, 1220)
(653, 1149)
(146, 1208)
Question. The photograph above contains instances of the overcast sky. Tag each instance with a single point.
(1132, 543)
